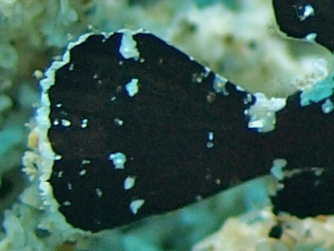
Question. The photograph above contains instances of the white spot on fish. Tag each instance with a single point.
(311, 37)
(67, 203)
(211, 97)
(118, 121)
(82, 172)
(248, 99)
(210, 136)
(208, 177)
(327, 106)
(239, 88)
(198, 77)
(318, 171)
(85, 162)
(118, 159)
(99, 192)
(65, 122)
(129, 182)
(84, 123)
(69, 186)
(132, 87)
(128, 48)
(136, 205)
(56, 122)
(219, 85)
(199, 197)
(71, 68)
(304, 12)
(209, 145)
(58, 157)
(308, 11)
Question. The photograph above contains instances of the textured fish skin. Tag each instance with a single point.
(299, 18)
(163, 130)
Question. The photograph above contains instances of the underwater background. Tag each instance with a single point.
(237, 39)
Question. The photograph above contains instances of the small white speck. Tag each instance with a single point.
(209, 145)
(132, 87)
(210, 136)
(99, 192)
(308, 11)
(129, 182)
(118, 159)
(95, 76)
(211, 97)
(239, 88)
(311, 37)
(318, 171)
(59, 105)
(85, 162)
(67, 203)
(198, 79)
(56, 122)
(71, 68)
(82, 172)
(199, 197)
(218, 181)
(304, 11)
(65, 122)
(219, 85)
(118, 121)
(199, 76)
(136, 205)
(58, 157)
(248, 99)
(113, 98)
(120, 62)
(84, 123)
(142, 60)
(128, 48)
(60, 174)
(69, 186)
(327, 106)
(280, 187)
